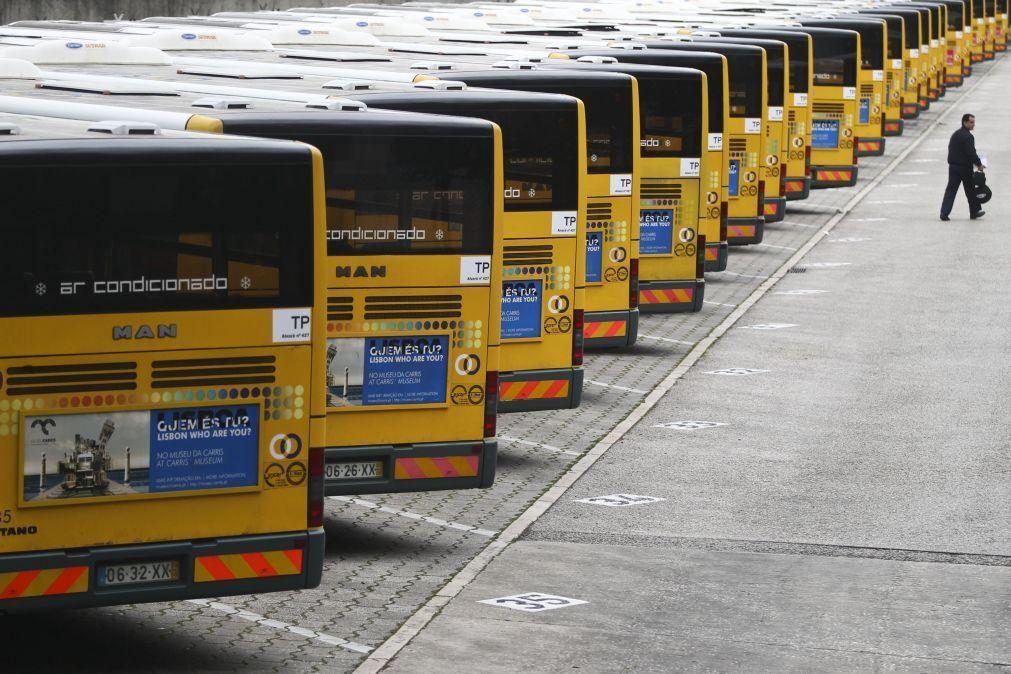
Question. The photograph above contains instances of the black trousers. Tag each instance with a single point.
(959, 175)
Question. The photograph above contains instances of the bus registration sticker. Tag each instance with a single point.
(521, 309)
(387, 370)
(594, 256)
(75, 456)
(825, 134)
(734, 178)
(656, 230)
(865, 111)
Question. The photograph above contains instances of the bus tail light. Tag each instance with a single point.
(633, 283)
(724, 219)
(700, 258)
(782, 182)
(807, 161)
(317, 458)
(856, 141)
(490, 403)
(577, 337)
(761, 197)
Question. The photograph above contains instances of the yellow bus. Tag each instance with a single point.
(833, 106)
(895, 69)
(958, 52)
(915, 76)
(743, 135)
(161, 323)
(937, 21)
(797, 167)
(869, 126)
(776, 150)
(413, 235)
(678, 286)
(611, 102)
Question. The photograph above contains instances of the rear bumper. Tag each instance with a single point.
(745, 231)
(69, 579)
(824, 177)
(910, 110)
(423, 466)
(967, 70)
(533, 390)
(717, 255)
(604, 329)
(925, 102)
(870, 147)
(798, 188)
(671, 297)
(953, 79)
(774, 209)
(894, 127)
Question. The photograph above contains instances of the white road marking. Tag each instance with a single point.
(689, 425)
(615, 386)
(869, 219)
(768, 326)
(912, 173)
(736, 273)
(416, 516)
(665, 339)
(901, 185)
(923, 161)
(540, 445)
(719, 304)
(769, 245)
(620, 500)
(736, 371)
(533, 602)
(826, 264)
(277, 624)
(799, 224)
(799, 292)
(850, 239)
(887, 201)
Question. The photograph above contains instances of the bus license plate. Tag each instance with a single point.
(358, 470)
(138, 572)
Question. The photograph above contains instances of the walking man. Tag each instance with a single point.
(962, 158)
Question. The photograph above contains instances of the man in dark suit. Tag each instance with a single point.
(962, 158)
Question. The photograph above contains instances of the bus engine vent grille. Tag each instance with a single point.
(213, 371)
(599, 211)
(527, 255)
(71, 378)
(340, 308)
(413, 306)
(737, 145)
(658, 188)
(829, 108)
(866, 90)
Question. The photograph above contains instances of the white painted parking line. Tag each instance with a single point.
(665, 339)
(912, 173)
(901, 185)
(800, 291)
(736, 273)
(770, 245)
(850, 239)
(540, 445)
(615, 386)
(826, 265)
(736, 371)
(416, 516)
(799, 224)
(689, 425)
(869, 219)
(277, 624)
(533, 602)
(719, 304)
(768, 326)
(923, 161)
(620, 500)
(886, 201)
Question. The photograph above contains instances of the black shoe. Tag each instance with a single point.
(945, 218)
(977, 214)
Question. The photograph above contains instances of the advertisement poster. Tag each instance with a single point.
(825, 134)
(75, 456)
(656, 230)
(521, 309)
(594, 256)
(387, 370)
(734, 178)
(865, 111)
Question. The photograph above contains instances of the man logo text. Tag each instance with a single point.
(163, 331)
(361, 271)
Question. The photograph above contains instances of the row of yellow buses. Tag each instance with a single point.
(433, 229)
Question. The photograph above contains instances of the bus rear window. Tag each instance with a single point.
(154, 237)
(955, 18)
(670, 119)
(894, 40)
(608, 128)
(540, 148)
(774, 66)
(800, 67)
(397, 194)
(746, 81)
(872, 48)
(835, 62)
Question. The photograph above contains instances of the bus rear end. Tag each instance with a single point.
(957, 50)
(158, 324)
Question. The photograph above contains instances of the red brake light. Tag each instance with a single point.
(317, 459)
(490, 403)
(700, 258)
(724, 217)
(761, 197)
(807, 161)
(633, 283)
(577, 337)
